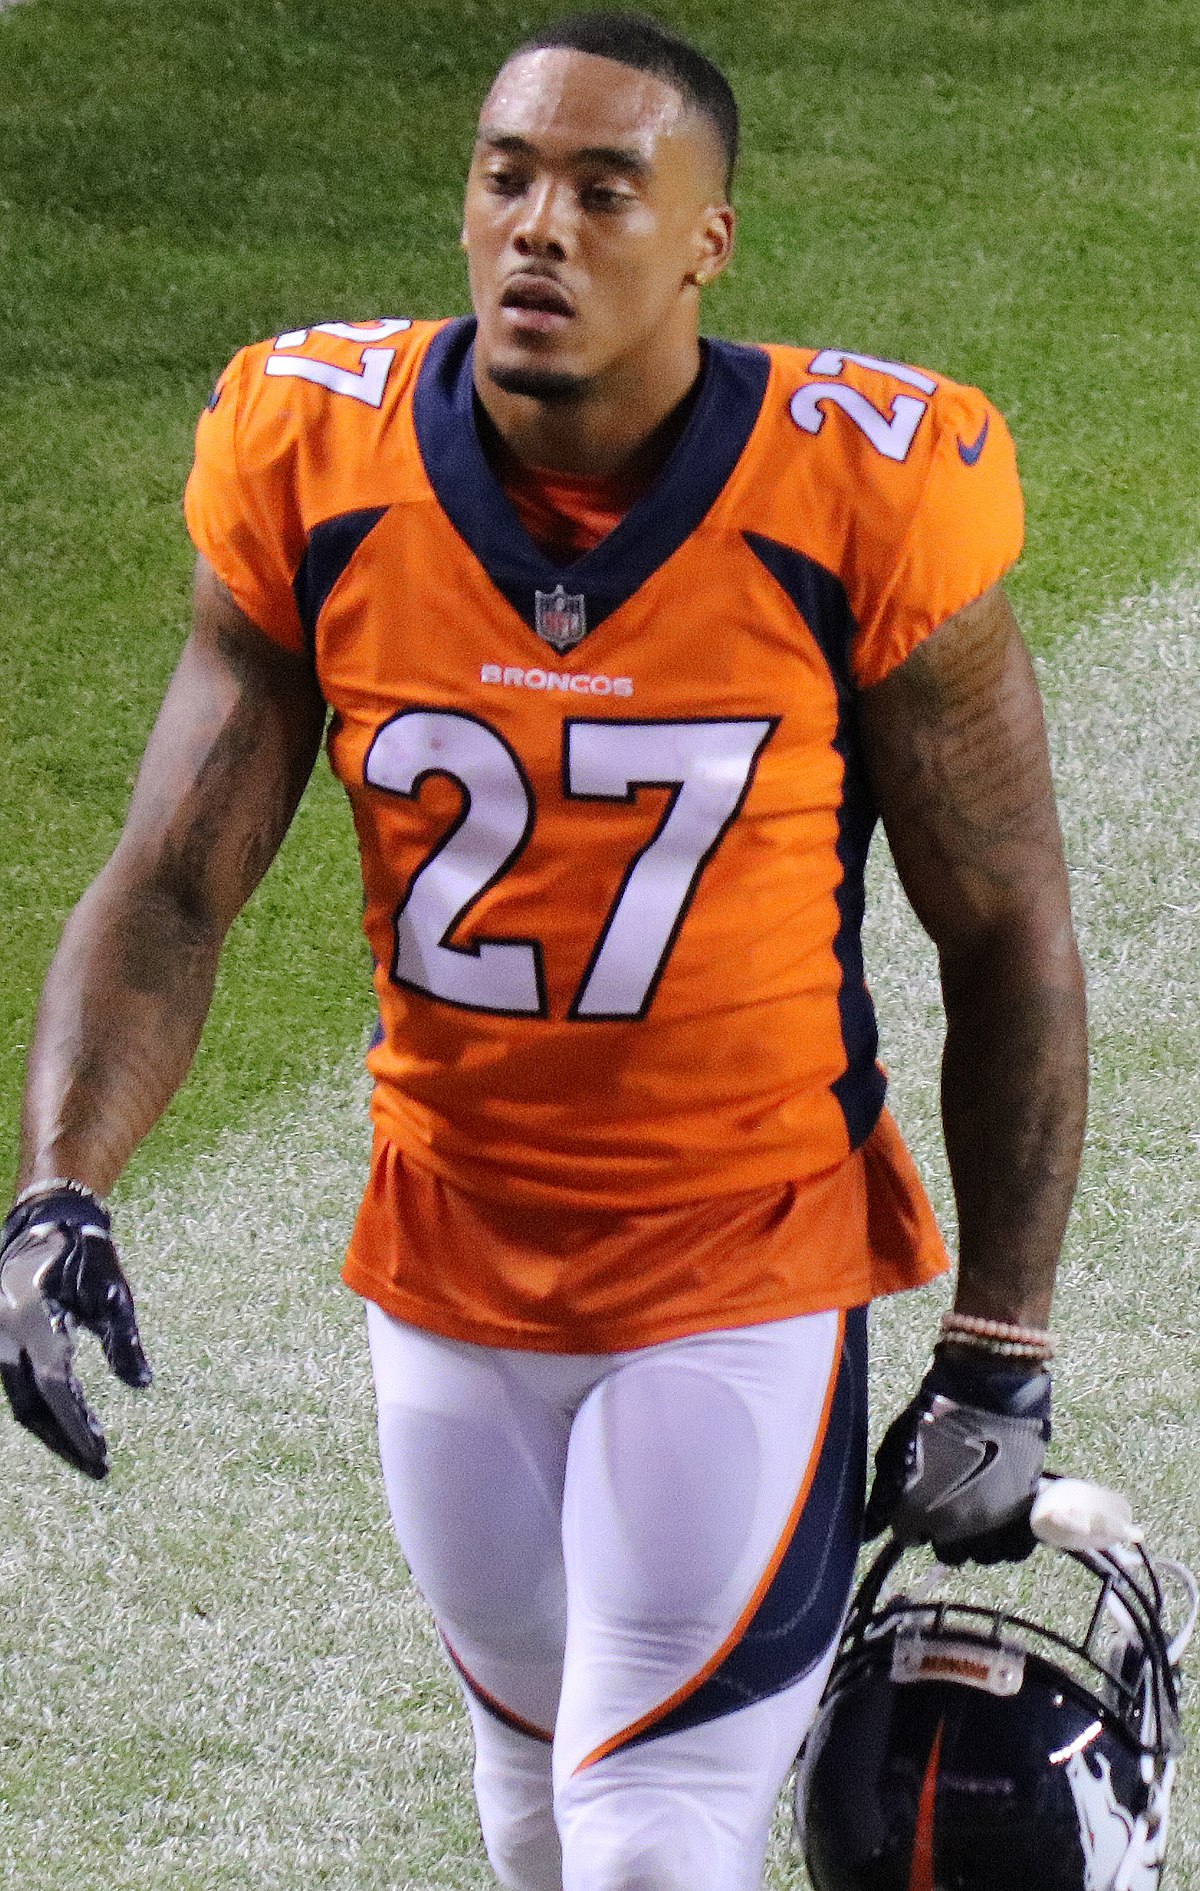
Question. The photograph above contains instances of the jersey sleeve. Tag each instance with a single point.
(966, 529)
(240, 503)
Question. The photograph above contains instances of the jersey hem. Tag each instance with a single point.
(615, 1337)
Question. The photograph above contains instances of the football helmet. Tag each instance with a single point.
(963, 1747)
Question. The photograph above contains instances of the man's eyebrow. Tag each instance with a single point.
(607, 157)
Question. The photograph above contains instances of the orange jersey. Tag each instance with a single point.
(612, 814)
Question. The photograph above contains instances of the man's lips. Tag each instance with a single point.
(537, 302)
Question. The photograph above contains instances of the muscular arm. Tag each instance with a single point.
(130, 985)
(956, 744)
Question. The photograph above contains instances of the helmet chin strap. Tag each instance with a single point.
(1070, 1513)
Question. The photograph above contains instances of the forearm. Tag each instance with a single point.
(130, 986)
(1014, 1098)
(120, 1017)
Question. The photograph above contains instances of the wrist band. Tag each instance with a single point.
(1004, 1338)
(998, 1348)
(58, 1185)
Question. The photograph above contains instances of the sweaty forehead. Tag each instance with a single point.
(581, 100)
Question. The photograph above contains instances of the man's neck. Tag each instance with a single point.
(608, 429)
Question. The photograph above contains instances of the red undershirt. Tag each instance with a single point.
(566, 514)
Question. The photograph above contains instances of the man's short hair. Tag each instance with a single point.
(634, 39)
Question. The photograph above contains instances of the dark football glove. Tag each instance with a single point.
(960, 1466)
(59, 1268)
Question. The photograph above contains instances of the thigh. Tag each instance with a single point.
(474, 1458)
(711, 1520)
(690, 1810)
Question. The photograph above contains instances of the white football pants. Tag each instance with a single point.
(639, 1563)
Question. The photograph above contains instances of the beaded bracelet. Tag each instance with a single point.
(997, 1348)
(1004, 1338)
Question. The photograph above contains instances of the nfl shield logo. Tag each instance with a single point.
(559, 617)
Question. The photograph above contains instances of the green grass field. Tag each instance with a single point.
(214, 1675)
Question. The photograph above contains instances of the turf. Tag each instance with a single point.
(1007, 195)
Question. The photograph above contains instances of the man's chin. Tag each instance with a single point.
(539, 383)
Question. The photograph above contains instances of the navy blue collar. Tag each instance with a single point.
(732, 386)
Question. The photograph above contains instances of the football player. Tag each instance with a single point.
(623, 639)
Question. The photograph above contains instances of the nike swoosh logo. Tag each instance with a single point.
(989, 1450)
(969, 454)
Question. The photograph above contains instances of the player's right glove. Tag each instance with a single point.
(959, 1467)
(59, 1268)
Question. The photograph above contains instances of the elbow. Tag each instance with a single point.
(1029, 946)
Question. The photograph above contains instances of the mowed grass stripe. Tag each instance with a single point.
(214, 1672)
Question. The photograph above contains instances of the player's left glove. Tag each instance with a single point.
(59, 1267)
(959, 1467)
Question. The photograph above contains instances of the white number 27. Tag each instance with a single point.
(364, 383)
(890, 433)
(708, 766)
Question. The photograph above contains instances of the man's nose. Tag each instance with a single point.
(544, 229)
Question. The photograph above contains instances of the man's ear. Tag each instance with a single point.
(714, 245)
